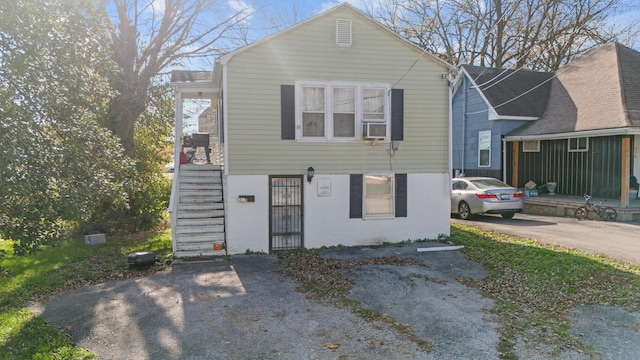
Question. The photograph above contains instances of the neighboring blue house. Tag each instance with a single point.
(578, 127)
(487, 104)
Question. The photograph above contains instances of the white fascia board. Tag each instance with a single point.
(574, 134)
(457, 81)
(204, 90)
(492, 114)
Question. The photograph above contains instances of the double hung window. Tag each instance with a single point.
(484, 148)
(337, 111)
(378, 195)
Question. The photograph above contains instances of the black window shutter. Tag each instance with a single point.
(288, 112)
(401, 195)
(397, 114)
(355, 196)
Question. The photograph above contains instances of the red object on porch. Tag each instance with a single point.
(183, 158)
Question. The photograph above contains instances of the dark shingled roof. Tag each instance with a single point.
(599, 90)
(530, 89)
(191, 76)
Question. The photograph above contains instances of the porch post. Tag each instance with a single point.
(177, 131)
(177, 149)
(625, 173)
(515, 163)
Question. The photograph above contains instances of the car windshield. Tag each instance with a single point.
(488, 183)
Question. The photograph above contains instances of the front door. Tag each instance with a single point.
(285, 213)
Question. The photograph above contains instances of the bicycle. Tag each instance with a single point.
(606, 213)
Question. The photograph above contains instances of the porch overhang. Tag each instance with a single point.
(573, 134)
(194, 84)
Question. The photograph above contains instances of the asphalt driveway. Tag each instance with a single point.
(243, 309)
(617, 240)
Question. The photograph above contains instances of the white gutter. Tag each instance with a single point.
(573, 134)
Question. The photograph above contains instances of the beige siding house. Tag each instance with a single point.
(332, 132)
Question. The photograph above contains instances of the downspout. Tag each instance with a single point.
(464, 123)
(504, 161)
(225, 153)
(177, 149)
(450, 88)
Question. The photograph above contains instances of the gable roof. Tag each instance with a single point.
(511, 93)
(222, 60)
(598, 93)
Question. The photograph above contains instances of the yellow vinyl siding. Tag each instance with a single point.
(309, 52)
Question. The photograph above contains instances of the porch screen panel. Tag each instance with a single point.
(595, 172)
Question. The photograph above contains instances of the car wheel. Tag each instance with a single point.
(464, 211)
(508, 215)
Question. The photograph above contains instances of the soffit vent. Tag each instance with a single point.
(343, 32)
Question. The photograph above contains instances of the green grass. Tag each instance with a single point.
(66, 266)
(535, 285)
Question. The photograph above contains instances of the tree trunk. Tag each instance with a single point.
(124, 111)
(130, 102)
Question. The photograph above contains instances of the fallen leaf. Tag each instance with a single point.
(332, 346)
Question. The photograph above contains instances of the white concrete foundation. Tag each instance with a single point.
(326, 213)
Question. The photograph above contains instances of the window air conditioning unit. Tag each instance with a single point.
(375, 130)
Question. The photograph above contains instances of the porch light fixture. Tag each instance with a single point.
(310, 172)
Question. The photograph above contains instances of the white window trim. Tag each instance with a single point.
(480, 148)
(364, 196)
(537, 149)
(578, 143)
(328, 121)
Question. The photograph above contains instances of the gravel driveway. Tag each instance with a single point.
(243, 309)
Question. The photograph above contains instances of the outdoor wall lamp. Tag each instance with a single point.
(310, 172)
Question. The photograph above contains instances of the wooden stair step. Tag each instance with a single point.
(202, 222)
(199, 238)
(199, 214)
(201, 186)
(195, 254)
(200, 230)
(200, 199)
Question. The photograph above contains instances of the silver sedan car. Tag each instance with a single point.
(483, 195)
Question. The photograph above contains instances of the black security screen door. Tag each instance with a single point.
(285, 213)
